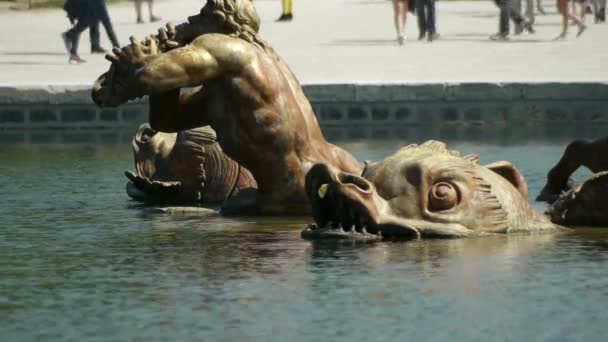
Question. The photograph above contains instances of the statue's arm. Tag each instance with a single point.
(207, 57)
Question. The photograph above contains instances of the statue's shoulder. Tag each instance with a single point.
(225, 47)
(213, 41)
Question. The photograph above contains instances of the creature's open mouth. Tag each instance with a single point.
(339, 219)
(344, 207)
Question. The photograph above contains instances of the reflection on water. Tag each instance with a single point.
(78, 260)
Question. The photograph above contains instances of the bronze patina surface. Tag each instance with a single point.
(246, 93)
(579, 153)
(582, 204)
(188, 167)
(420, 191)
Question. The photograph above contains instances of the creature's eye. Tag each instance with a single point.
(443, 196)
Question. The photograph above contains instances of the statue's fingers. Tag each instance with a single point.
(127, 54)
(162, 34)
(119, 53)
(153, 47)
(112, 58)
(171, 29)
(172, 44)
(134, 41)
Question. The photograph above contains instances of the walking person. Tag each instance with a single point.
(287, 8)
(100, 12)
(400, 9)
(599, 9)
(425, 10)
(509, 12)
(138, 11)
(539, 7)
(82, 16)
(529, 9)
(563, 8)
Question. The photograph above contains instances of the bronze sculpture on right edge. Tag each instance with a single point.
(582, 204)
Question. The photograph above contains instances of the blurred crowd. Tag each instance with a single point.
(520, 12)
(89, 14)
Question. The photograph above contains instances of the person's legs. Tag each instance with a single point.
(400, 17)
(505, 14)
(421, 14)
(101, 14)
(539, 7)
(153, 18)
(290, 7)
(287, 10)
(431, 20)
(73, 36)
(530, 11)
(563, 8)
(138, 11)
(520, 22)
(95, 37)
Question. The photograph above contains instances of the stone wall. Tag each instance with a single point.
(367, 108)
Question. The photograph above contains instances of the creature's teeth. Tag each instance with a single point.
(364, 230)
(341, 230)
(323, 190)
(379, 233)
(352, 229)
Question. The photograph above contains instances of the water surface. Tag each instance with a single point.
(80, 261)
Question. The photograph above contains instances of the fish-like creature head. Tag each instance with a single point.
(420, 191)
(184, 167)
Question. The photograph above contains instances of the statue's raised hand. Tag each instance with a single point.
(168, 38)
(120, 84)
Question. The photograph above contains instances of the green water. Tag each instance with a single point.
(80, 261)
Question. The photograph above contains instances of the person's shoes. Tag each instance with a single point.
(98, 49)
(422, 35)
(561, 36)
(500, 37)
(140, 21)
(285, 17)
(433, 36)
(401, 39)
(66, 41)
(603, 15)
(596, 18)
(519, 29)
(528, 27)
(588, 10)
(154, 18)
(75, 59)
(581, 29)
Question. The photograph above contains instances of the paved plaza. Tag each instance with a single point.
(334, 41)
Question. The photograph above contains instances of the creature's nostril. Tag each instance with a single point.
(347, 178)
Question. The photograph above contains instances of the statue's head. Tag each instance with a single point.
(420, 191)
(232, 17)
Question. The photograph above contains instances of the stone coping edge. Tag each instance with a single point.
(356, 92)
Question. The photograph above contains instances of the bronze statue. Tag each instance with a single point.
(246, 93)
(420, 191)
(215, 70)
(188, 167)
(589, 154)
(582, 204)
